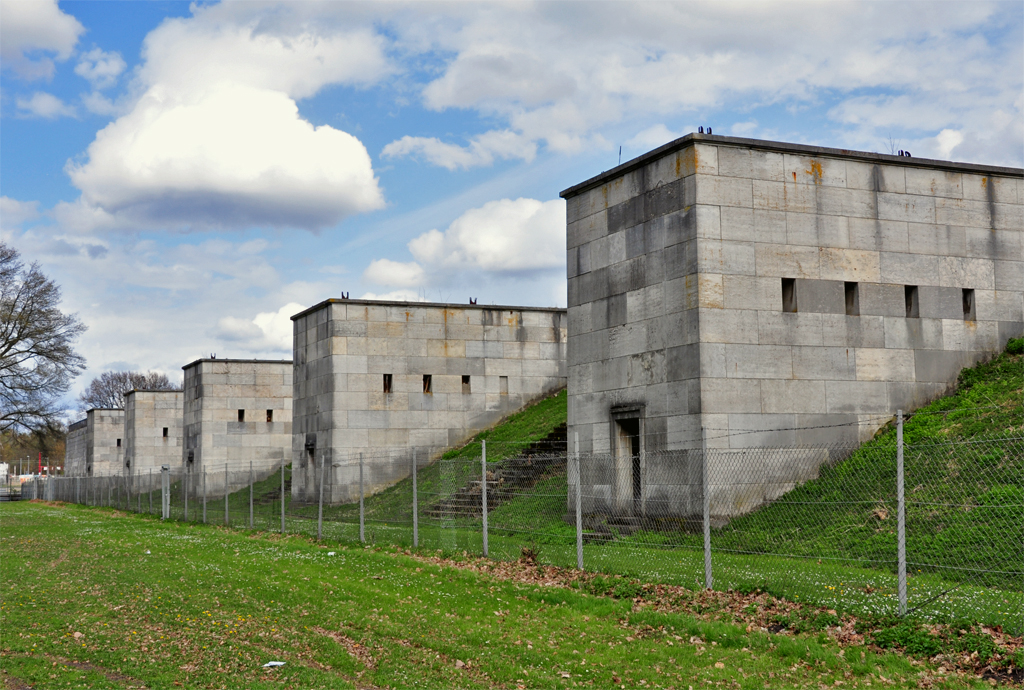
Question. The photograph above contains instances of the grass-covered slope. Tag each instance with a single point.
(458, 465)
(964, 460)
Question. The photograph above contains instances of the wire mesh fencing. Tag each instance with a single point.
(889, 528)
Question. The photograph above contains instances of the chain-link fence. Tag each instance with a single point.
(923, 529)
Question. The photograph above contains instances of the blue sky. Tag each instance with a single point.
(192, 175)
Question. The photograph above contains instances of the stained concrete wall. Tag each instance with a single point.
(152, 431)
(74, 449)
(215, 391)
(676, 264)
(512, 356)
(94, 446)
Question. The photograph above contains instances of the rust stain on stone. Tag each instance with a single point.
(815, 171)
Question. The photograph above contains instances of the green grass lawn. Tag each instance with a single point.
(97, 598)
(831, 541)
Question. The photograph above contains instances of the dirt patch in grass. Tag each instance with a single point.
(63, 661)
(359, 652)
(954, 647)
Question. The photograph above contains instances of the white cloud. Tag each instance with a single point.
(44, 105)
(395, 296)
(503, 240)
(395, 273)
(270, 330)
(99, 104)
(653, 137)
(245, 44)
(511, 63)
(216, 140)
(14, 213)
(231, 156)
(154, 305)
(947, 140)
(100, 68)
(501, 236)
(482, 149)
(27, 28)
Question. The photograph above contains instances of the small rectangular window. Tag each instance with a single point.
(969, 314)
(241, 415)
(503, 385)
(427, 384)
(270, 416)
(789, 294)
(465, 384)
(165, 432)
(910, 295)
(118, 443)
(387, 383)
(852, 299)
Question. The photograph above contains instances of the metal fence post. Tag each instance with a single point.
(483, 490)
(150, 486)
(706, 490)
(362, 514)
(579, 500)
(204, 493)
(320, 506)
(901, 517)
(282, 495)
(415, 511)
(250, 494)
(227, 515)
(184, 490)
(165, 492)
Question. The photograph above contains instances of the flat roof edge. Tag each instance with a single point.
(154, 390)
(781, 147)
(445, 305)
(237, 361)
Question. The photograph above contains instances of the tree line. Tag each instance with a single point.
(38, 364)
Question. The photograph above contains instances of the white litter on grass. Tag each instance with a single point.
(147, 552)
(271, 664)
(330, 553)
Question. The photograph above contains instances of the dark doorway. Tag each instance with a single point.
(629, 444)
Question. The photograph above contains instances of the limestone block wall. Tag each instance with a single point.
(95, 445)
(152, 431)
(768, 292)
(235, 412)
(74, 449)
(383, 377)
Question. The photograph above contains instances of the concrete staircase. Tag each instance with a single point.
(512, 476)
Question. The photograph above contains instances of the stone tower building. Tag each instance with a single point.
(778, 295)
(381, 378)
(236, 412)
(95, 445)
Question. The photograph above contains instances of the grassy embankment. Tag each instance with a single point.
(101, 599)
(831, 541)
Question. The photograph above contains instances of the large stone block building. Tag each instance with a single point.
(74, 449)
(152, 431)
(776, 295)
(95, 445)
(384, 377)
(236, 412)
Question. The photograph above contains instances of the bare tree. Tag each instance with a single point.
(107, 390)
(37, 359)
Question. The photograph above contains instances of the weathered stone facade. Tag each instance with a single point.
(236, 412)
(95, 445)
(74, 449)
(384, 377)
(152, 430)
(763, 291)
